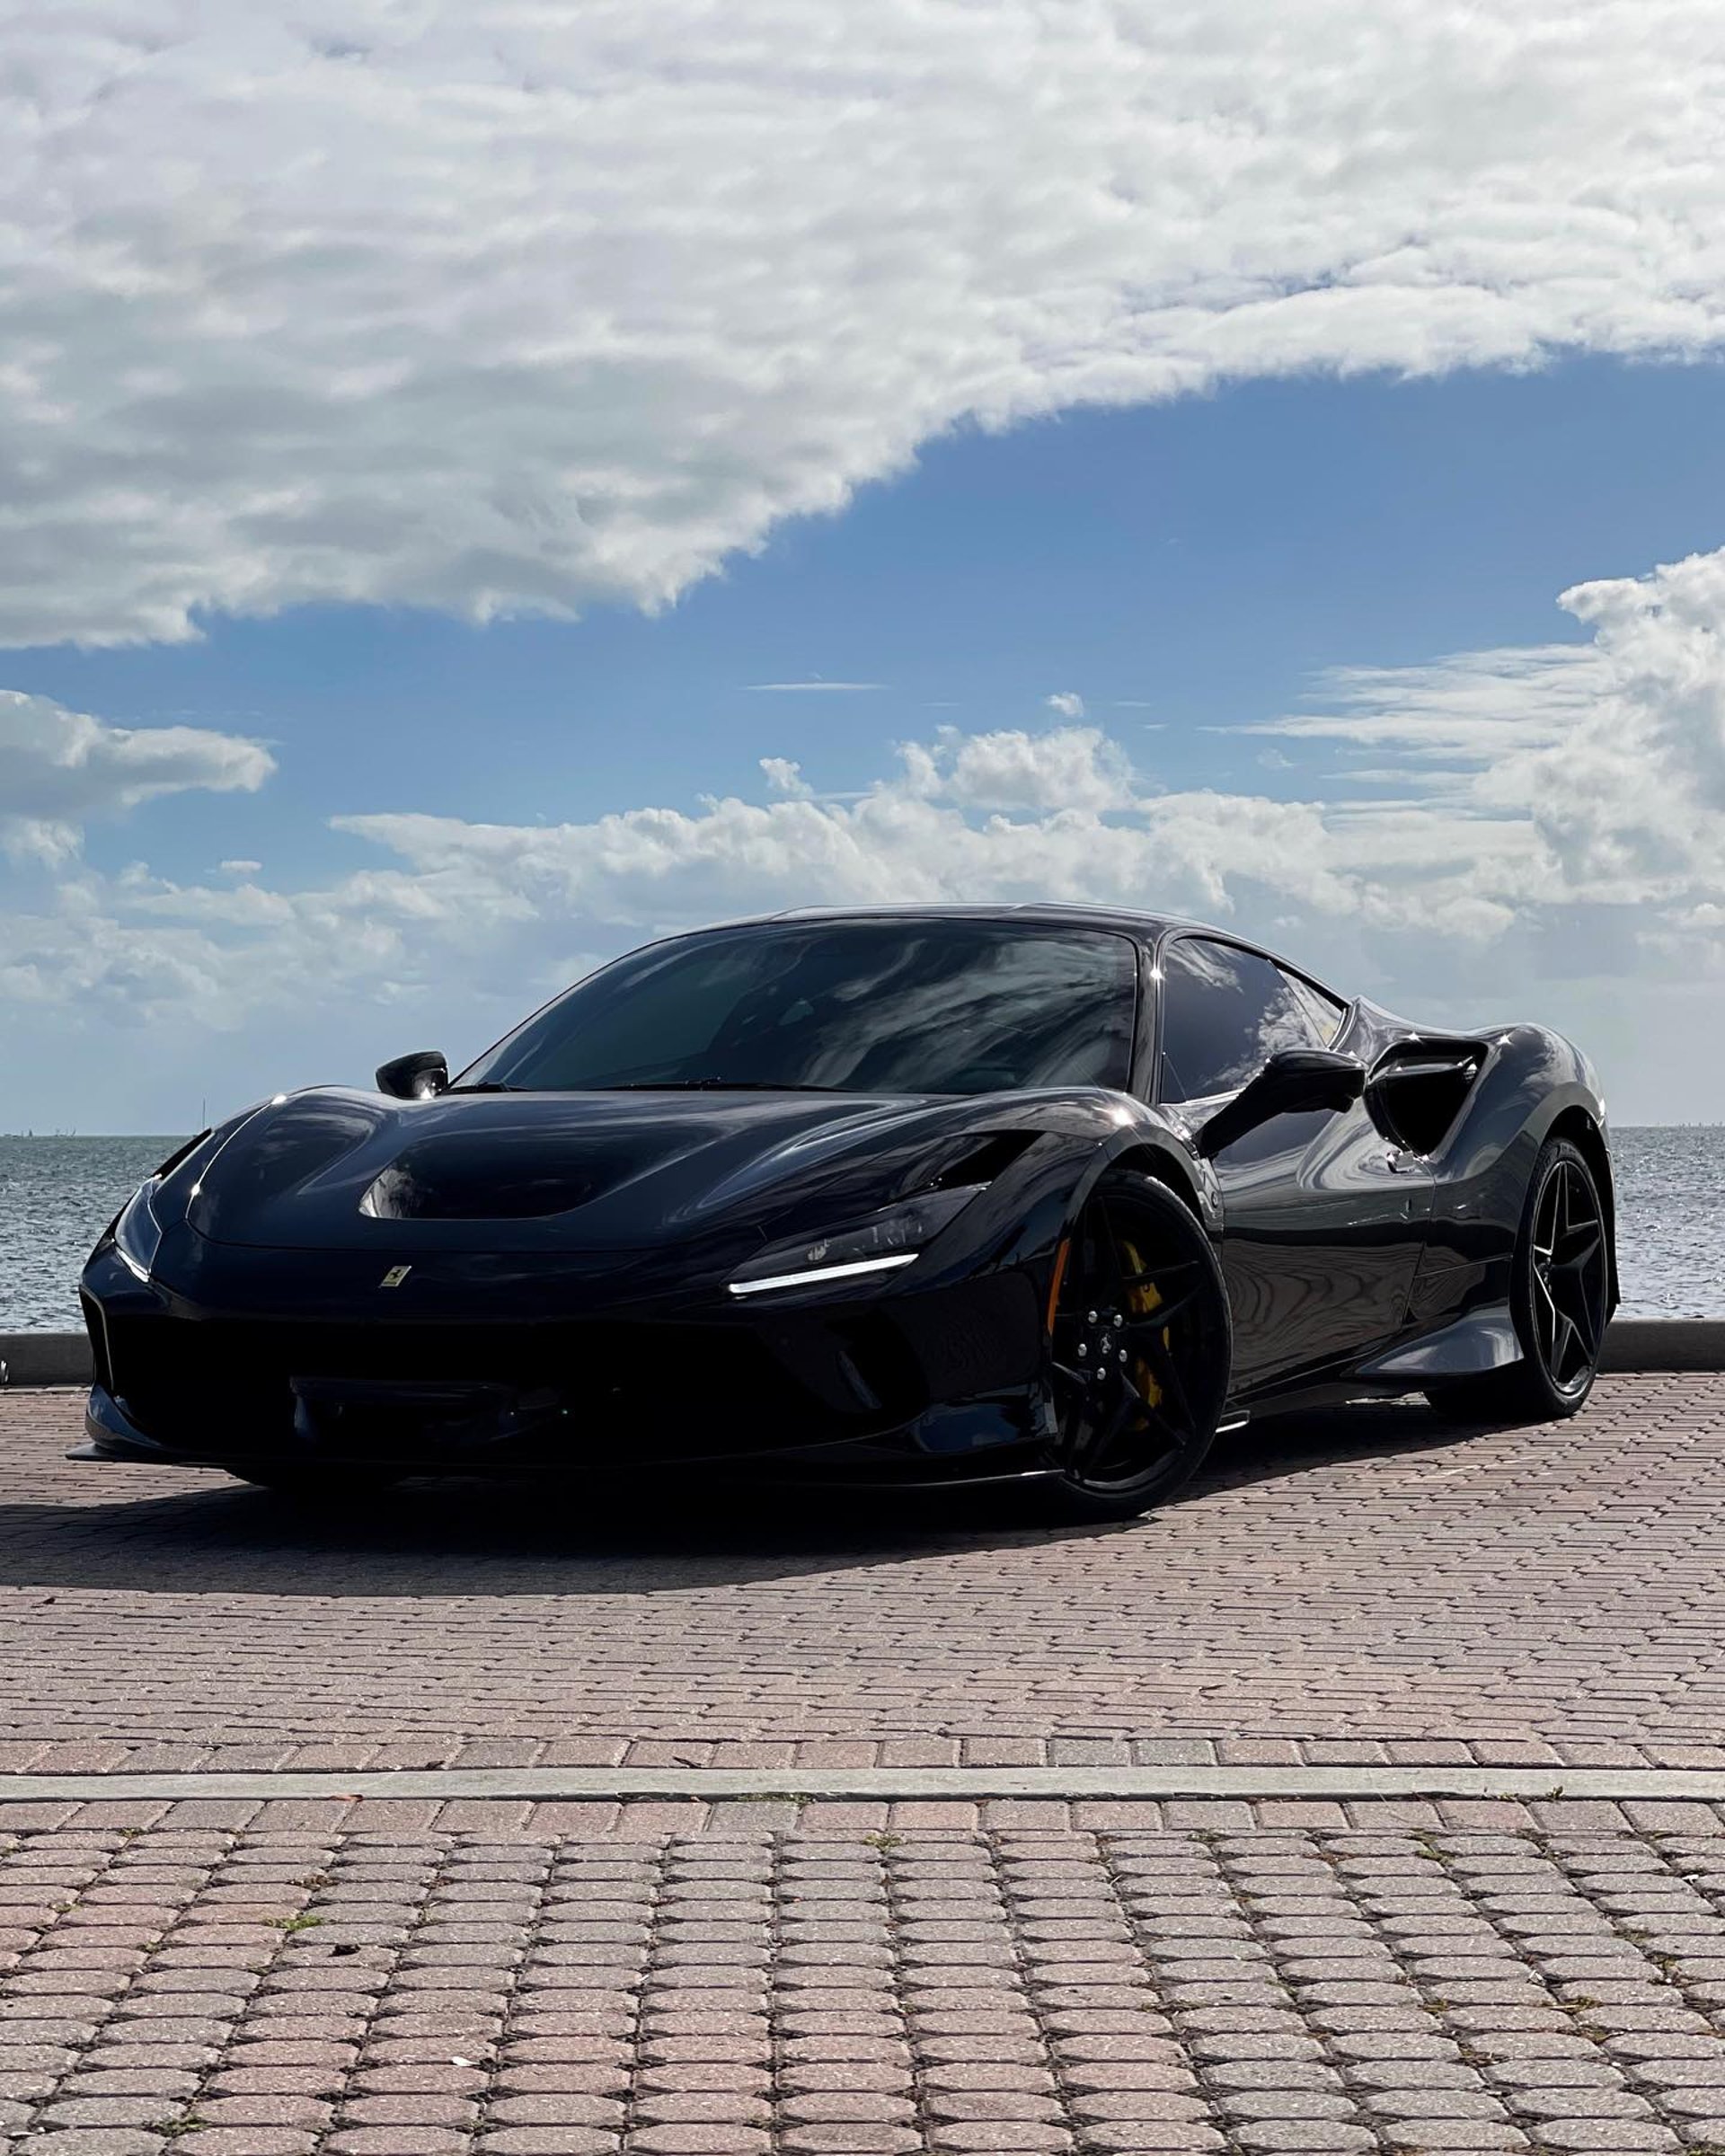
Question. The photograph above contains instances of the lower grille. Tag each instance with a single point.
(238, 1387)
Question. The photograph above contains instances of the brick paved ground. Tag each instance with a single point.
(293, 1988)
(392, 1978)
(1369, 1586)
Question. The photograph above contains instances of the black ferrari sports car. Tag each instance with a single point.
(924, 1195)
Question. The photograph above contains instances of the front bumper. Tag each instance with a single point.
(941, 1383)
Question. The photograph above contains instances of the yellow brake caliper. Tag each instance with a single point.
(1141, 1301)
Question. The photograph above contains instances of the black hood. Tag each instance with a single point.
(339, 1170)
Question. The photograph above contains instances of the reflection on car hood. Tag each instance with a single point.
(334, 1170)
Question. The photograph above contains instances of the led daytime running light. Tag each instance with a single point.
(895, 1237)
(824, 1272)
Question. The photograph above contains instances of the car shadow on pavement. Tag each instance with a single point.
(463, 1537)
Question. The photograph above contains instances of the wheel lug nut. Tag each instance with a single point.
(1090, 1316)
(1083, 1347)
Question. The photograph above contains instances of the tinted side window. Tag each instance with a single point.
(1324, 1011)
(1224, 1013)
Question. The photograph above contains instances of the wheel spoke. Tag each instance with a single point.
(1574, 1302)
(1154, 1275)
(1124, 1417)
(1165, 1370)
(1544, 1317)
(1566, 1337)
(1102, 1430)
(1579, 1246)
(1158, 1321)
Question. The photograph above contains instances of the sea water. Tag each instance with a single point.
(58, 1194)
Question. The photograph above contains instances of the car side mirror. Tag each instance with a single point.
(1294, 1082)
(416, 1077)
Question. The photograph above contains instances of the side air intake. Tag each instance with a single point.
(1417, 1089)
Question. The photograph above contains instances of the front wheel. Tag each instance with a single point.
(1142, 1346)
(1560, 1296)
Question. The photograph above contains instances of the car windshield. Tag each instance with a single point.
(910, 1007)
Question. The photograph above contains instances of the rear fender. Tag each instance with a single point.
(1534, 1085)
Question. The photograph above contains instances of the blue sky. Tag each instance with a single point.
(1185, 566)
(1273, 474)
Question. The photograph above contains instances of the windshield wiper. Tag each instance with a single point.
(716, 1085)
(485, 1085)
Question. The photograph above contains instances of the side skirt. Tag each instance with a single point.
(1485, 1339)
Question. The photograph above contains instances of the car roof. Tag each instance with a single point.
(1147, 928)
(1043, 913)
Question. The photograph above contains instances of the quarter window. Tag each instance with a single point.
(1325, 1012)
(1224, 1013)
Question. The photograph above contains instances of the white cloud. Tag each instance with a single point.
(1005, 815)
(1547, 839)
(784, 775)
(513, 306)
(791, 688)
(1067, 702)
(59, 768)
(240, 868)
(1070, 767)
(1591, 772)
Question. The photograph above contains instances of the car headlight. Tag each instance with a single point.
(891, 1239)
(138, 1228)
(138, 1234)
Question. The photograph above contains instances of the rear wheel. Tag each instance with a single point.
(325, 1483)
(1142, 1346)
(1560, 1298)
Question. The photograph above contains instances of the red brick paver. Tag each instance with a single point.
(1366, 1585)
(306, 1994)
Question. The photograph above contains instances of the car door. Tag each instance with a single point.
(1324, 1219)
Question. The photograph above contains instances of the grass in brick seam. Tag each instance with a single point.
(184, 2125)
(1581, 2003)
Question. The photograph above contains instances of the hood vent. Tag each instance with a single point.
(981, 1164)
(455, 1179)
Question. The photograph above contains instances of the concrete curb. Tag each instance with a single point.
(45, 1358)
(1664, 1344)
(63, 1358)
(966, 1784)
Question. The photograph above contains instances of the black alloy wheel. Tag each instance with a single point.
(1569, 1274)
(1141, 1346)
(1560, 1298)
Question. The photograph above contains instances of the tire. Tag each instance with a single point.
(1560, 1304)
(326, 1483)
(1142, 1346)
